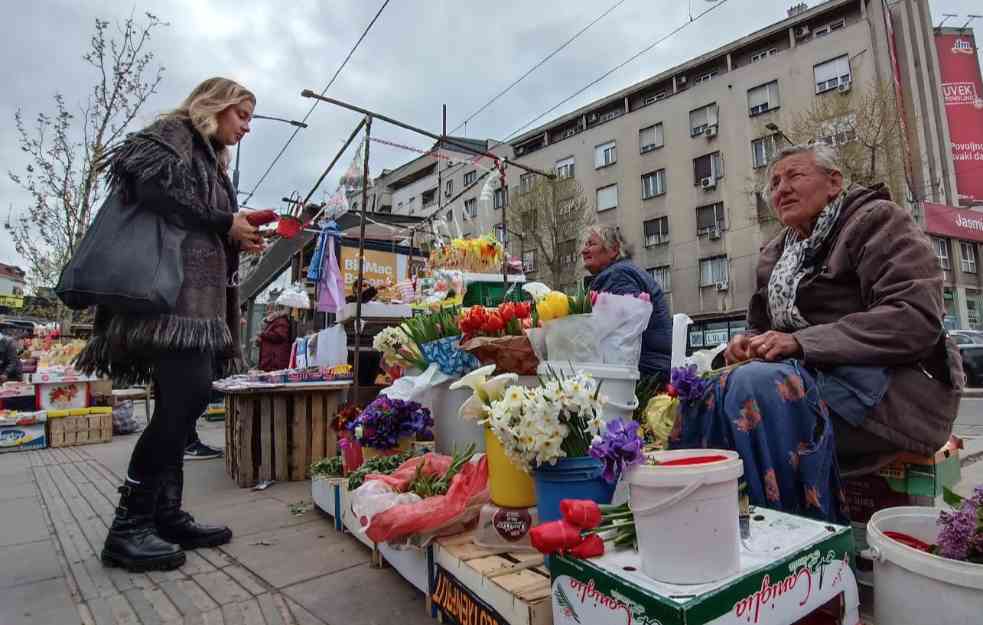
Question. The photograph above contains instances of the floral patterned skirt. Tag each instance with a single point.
(773, 416)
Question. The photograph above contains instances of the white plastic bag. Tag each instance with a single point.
(373, 497)
(621, 320)
(573, 339)
(332, 347)
(295, 296)
(416, 387)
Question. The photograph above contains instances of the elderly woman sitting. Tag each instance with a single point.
(605, 257)
(846, 354)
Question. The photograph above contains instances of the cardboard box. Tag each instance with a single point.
(95, 425)
(61, 395)
(790, 567)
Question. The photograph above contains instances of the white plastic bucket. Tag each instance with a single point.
(912, 587)
(450, 430)
(617, 384)
(686, 516)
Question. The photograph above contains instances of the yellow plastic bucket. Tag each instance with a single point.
(509, 486)
(405, 442)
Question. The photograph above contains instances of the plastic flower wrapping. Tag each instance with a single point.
(480, 255)
(557, 419)
(386, 420)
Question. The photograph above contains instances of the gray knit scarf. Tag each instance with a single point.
(791, 268)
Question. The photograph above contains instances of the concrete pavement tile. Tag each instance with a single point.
(243, 613)
(290, 555)
(274, 609)
(246, 579)
(248, 517)
(342, 598)
(291, 492)
(188, 597)
(32, 562)
(301, 616)
(40, 603)
(221, 587)
(17, 490)
(23, 522)
(151, 605)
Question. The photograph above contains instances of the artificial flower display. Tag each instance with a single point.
(479, 255)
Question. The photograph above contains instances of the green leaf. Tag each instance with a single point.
(952, 498)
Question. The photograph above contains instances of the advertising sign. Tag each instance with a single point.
(381, 268)
(958, 223)
(12, 301)
(962, 90)
(459, 605)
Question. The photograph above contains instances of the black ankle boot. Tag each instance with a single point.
(133, 543)
(178, 526)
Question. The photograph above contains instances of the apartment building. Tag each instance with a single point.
(677, 160)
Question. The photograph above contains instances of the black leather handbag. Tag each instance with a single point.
(129, 261)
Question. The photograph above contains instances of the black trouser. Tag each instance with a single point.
(182, 388)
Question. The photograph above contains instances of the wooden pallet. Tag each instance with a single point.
(277, 434)
(514, 584)
(80, 430)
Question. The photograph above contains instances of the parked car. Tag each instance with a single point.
(972, 363)
(967, 337)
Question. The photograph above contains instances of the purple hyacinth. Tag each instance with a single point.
(961, 532)
(618, 448)
(689, 385)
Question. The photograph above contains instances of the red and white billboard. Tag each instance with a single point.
(958, 223)
(962, 89)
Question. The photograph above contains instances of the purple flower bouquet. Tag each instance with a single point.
(386, 420)
(618, 447)
(961, 531)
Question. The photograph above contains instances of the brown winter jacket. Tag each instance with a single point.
(876, 299)
(275, 344)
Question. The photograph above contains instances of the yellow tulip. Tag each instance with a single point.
(553, 306)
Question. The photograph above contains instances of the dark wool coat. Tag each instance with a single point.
(170, 168)
(875, 298)
(275, 343)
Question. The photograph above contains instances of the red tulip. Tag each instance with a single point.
(523, 310)
(592, 547)
(493, 324)
(554, 537)
(582, 513)
(507, 311)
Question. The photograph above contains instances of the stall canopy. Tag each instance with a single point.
(277, 257)
(958, 223)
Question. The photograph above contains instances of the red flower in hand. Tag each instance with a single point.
(582, 513)
(592, 547)
(554, 537)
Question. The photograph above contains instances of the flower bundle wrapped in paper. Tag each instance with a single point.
(497, 336)
(438, 337)
(481, 255)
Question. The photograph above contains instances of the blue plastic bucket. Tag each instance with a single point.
(569, 478)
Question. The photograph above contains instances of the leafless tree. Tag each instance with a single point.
(549, 218)
(63, 149)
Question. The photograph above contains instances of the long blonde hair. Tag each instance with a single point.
(204, 104)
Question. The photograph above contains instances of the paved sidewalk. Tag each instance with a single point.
(284, 567)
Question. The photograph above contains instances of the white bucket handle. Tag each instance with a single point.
(670, 500)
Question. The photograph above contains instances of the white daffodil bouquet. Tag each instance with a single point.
(397, 348)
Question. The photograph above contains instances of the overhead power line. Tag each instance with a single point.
(614, 69)
(314, 106)
(539, 64)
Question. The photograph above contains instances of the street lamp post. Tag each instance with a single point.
(235, 173)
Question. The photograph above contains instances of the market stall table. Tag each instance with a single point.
(275, 431)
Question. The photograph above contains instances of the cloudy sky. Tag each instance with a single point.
(420, 54)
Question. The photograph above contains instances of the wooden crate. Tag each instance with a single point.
(514, 584)
(80, 430)
(277, 434)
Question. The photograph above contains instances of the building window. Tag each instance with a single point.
(967, 253)
(713, 271)
(605, 154)
(501, 234)
(710, 220)
(707, 167)
(663, 275)
(449, 217)
(705, 77)
(449, 188)
(500, 199)
(763, 54)
(607, 197)
(655, 97)
(525, 183)
(942, 252)
(829, 28)
(529, 261)
(656, 231)
(565, 168)
(653, 184)
(650, 138)
(838, 131)
(471, 208)
(470, 177)
(530, 220)
(764, 149)
(763, 99)
(567, 251)
(701, 119)
(565, 207)
(832, 74)
(973, 309)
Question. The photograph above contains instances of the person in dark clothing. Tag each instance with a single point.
(275, 341)
(176, 167)
(9, 360)
(605, 256)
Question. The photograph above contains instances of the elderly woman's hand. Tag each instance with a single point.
(773, 346)
(737, 350)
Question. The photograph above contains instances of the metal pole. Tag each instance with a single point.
(357, 290)
(502, 165)
(440, 178)
(307, 93)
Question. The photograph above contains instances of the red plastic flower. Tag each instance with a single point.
(591, 547)
(555, 537)
(582, 513)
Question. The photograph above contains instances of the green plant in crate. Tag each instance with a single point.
(327, 467)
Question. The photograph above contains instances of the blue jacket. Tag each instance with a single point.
(624, 278)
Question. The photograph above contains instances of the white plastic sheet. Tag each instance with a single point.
(620, 322)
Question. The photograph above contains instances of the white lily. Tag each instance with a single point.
(538, 290)
(485, 391)
(474, 380)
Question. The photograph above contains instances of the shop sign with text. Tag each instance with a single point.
(962, 90)
(459, 605)
(958, 223)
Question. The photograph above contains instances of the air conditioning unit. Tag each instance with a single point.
(722, 285)
(844, 87)
(714, 233)
(711, 131)
(708, 183)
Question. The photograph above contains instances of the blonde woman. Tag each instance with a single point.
(176, 167)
